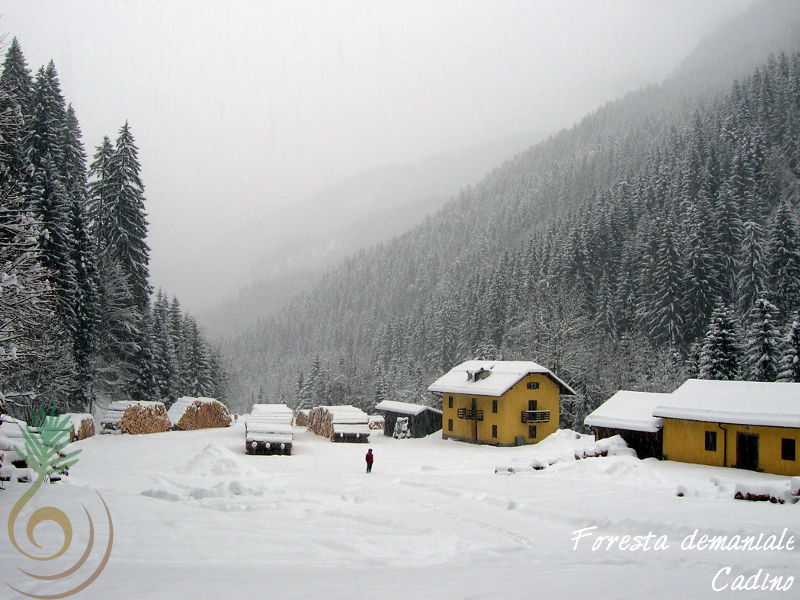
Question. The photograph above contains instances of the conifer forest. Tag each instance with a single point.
(79, 327)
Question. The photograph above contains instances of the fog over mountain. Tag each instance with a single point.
(246, 111)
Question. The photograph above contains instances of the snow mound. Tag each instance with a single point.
(229, 489)
(161, 495)
(216, 461)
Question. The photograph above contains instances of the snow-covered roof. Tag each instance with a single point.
(178, 408)
(346, 413)
(735, 402)
(265, 409)
(628, 410)
(503, 375)
(351, 429)
(268, 427)
(404, 408)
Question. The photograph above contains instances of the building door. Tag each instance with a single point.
(747, 451)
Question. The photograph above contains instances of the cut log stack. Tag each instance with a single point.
(301, 418)
(268, 430)
(189, 413)
(80, 425)
(132, 417)
(340, 423)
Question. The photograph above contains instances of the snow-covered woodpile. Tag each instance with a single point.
(127, 416)
(301, 418)
(13, 466)
(80, 425)
(189, 413)
(376, 421)
(340, 423)
(268, 429)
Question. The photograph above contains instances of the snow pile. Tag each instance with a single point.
(216, 461)
(613, 446)
(794, 485)
(781, 493)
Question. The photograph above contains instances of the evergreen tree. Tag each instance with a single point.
(164, 367)
(752, 273)
(52, 201)
(763, 351)
(128, 224)
(143, 385)
(784, 260)
(721, 353)
(198, 362)
(790, 360)
(100, 195)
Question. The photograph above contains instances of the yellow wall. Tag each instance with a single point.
(509, 413)
(684, 441)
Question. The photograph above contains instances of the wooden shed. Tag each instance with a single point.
(422, 420)
(630, 415)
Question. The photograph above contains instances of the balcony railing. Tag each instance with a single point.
(535, 416)
(470, 415)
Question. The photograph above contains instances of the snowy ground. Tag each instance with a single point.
(196, 518)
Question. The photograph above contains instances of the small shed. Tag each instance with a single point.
(630, 415)
(422, 420)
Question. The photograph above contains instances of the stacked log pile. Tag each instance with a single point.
(189, 413)
(80, 425)
(268, 430)
(127, 416)
(301, 418)
(340, 423)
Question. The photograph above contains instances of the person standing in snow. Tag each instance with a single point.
(370, 458)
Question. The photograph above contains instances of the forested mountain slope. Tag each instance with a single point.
(600, 253)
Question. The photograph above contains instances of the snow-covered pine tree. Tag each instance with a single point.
(721, 352)
(16, 80)
(783, 260)
(198, 364)
(790, 360)
(143, 386)
(86, 300)
(751, 275)
(763, 348)
(128, 228)
(100, 195)
(51, 200)
(164, 367)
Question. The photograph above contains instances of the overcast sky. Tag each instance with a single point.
(240, 106)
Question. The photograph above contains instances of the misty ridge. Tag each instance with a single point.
(607, 252)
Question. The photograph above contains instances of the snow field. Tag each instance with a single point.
(195, 517)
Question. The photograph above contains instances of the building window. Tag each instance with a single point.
(531, 431)
(532, 404)
(788, 449)
(494, 406)
(533, 385)
(449, 402)
(711, 441)
(494, 431)
(449, 424)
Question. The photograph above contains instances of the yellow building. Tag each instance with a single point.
(746, 424)
(504, 403)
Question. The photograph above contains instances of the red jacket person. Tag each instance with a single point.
(370, 458)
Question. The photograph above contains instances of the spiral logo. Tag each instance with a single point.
(44, 456)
